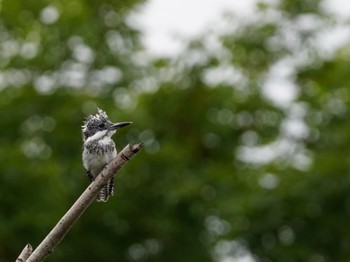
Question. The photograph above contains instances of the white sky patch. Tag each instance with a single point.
(280, 91)
(340, 8)
(279, 86)
(232, 251)
(331, 40)
(49, 15)
(223, 74)
(260, 155)
(45, 84)
(283, 149)
(295, 128)
(165, 22)
(257, 155)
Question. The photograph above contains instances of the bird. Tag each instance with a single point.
(99, 148)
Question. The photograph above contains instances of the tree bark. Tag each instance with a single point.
(27, 250)
(57, 234)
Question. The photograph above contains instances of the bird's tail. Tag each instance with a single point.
(106, 191)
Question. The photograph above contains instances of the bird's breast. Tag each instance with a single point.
(97, 154)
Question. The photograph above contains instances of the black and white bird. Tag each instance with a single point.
(99, 148)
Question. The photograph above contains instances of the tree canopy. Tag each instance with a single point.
(245, 134)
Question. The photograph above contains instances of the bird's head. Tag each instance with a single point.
(99, 125)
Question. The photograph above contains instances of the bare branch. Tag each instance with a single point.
(57, 234)
(27, 250)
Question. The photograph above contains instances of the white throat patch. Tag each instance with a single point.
(99, 135)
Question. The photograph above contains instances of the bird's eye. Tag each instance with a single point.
(101, 125)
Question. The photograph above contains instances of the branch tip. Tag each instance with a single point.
(135, 148)
(26, 252)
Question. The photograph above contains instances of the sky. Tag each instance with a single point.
(165, 23)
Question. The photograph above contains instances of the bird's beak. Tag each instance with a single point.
(119, 125)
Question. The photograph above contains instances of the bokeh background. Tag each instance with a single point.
(246, 133)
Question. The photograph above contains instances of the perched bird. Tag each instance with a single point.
(99, 148)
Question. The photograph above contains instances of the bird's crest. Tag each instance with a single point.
(91, 120)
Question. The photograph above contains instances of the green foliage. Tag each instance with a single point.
(228, 170)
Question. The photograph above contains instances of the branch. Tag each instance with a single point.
(57, 234)
(27, 250)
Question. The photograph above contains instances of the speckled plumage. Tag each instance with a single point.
(99, 148)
